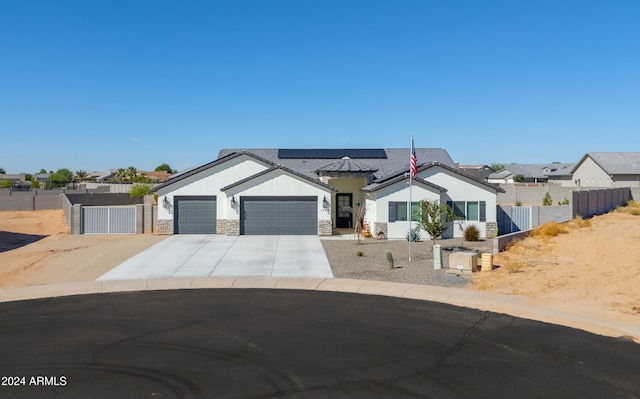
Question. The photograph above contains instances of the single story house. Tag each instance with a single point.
(607, 169)
(304, 191)
(480, 172)
(532, 173)
(15, 178)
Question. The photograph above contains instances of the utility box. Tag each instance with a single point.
(463, 262)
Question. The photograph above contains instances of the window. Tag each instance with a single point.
(469, 210)
(398, 211)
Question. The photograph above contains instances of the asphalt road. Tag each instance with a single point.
(252, 343)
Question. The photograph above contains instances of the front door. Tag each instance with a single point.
(343, 217)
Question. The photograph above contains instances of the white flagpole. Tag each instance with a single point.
(409, 204)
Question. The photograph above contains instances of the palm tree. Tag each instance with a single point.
(81, 174)
(131, 173)
(121, 175)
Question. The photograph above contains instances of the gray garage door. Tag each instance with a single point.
(195, 215)
(279, 215)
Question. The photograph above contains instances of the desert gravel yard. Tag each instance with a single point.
(373, 265)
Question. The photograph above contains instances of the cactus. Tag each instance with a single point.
(390, 260)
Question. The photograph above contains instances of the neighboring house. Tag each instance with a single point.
(106, 176)
(304, 191)
(156, 176)
(13, 178)
(480, 172)
(608, 169)
(533, 173)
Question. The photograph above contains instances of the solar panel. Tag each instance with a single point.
(332, 153)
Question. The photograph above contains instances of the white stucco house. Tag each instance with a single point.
(607, 169)
(304, 191)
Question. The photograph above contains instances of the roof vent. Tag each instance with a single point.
(346, 158)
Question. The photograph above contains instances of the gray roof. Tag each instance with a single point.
(232, 155)
(11, 176)
(478, 171)
(393, 176)
(346, 165)
(397, 159)
(615, 163)
(534, 171)
(377, 186)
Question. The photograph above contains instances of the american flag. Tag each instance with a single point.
(414, 160)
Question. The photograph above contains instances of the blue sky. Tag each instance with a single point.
(95, 85)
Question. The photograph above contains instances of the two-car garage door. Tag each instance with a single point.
(279, 215)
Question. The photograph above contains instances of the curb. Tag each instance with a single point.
(498, 303)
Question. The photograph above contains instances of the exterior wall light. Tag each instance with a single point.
(326, 204)
(166, 204)
(234, 202)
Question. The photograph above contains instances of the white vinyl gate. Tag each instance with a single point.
(520, 218)
(109, 220)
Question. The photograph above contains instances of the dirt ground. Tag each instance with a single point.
(592, 270)
(35, 249)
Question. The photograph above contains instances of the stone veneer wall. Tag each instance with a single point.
(233, 227)
(378, 227)
(490, 229)
(325, 228)
(221, 226)
(165, 226)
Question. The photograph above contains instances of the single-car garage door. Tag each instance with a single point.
(279, 215)
(194, 215)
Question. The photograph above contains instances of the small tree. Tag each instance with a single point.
(435, 218)
(518, 178)
(82, 174)
(359, 214)
(2, 171)
(6, 183)
(546, 200)
(140, 190)
(165, 168)
(60, 178)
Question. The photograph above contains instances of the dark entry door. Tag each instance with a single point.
(343, 218)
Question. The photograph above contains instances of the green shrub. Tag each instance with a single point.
(360, 253)
(140, 190)
(546, 200)
(471, 233)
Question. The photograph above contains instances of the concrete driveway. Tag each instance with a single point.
(217, 255)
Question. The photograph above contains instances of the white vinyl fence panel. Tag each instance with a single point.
(109, 220)
(520, 218)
